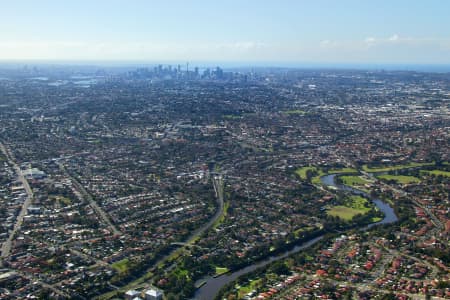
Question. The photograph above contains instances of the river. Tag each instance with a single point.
(212, 285)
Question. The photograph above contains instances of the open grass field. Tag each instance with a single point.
(342, 170)
(355, 205)
(358, 202)
(402, 179)
(316, 179)
(354, 180)
(121, 266)
(253, 285)
(298, 232)
(220, 271)
(301, 172)
(436, 172)
(343, 212)
(395, 167)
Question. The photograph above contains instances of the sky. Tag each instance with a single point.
(275, 31)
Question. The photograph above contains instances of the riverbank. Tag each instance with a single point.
(210, 286)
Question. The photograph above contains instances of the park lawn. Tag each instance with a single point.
(343, 212)
(301, 230)
(316, 179)
(301, 172)
(220, 270)
(252, 285)
(436, 172)
(121, 266)
(395, 167)
(358, 202)
(354, 180)
(355, 205)
(342, 170)
(400, 178)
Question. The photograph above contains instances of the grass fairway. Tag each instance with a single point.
(354, 180)
(355, 205)
(396, 167)
(400, 178)
(436, 172)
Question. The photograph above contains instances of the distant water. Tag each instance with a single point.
(130, 65)
(58, 83)
(444, 68)
(86, 82)
(39, 78)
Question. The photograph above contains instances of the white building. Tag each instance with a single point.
(153, 294)
(131, 294)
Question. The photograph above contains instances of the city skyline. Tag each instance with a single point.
(321, 32)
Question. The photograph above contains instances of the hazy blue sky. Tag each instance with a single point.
(319, 31)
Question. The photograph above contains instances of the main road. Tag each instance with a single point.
(79, 187)
(6, 247)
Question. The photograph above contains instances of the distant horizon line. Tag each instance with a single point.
(431, 67)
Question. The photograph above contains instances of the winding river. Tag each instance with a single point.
(212, 285)
(389, 214)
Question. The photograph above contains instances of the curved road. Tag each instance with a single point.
(218, 188)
